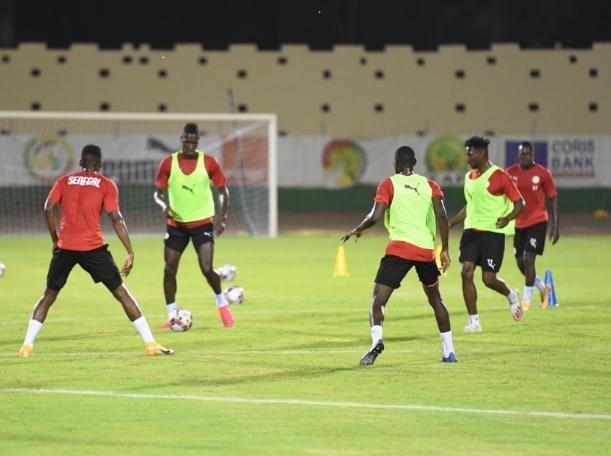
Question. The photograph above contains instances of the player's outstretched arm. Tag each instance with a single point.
(371, 219)
(118, 224)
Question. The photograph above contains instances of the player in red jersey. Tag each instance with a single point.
(534, 183)
(186, 177)
(82, 195)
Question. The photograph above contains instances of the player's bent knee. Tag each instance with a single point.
(466, 273)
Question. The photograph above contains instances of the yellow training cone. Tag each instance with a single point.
(438, 260)
(341, 267)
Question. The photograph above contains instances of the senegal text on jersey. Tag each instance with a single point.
(82, 180)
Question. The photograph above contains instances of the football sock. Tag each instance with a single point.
(448, 346)
(220, 300)
(170, 308)
(528, 292)
(376, 333)
(540, 285)
(512, 295)
(474, 320)
(144, 330)
(33, 328)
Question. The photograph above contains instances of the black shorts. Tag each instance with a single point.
(393, 269)
(485, 249)
(98, 263)
(177, 238)
(530, 239)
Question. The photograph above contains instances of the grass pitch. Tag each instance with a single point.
(285, 379)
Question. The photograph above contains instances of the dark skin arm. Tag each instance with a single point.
(50, 211)
(458, 218)
(118, 224)
(219, 222)
(518, 207)
(443, 226)
(501, 222)
(371, 219)
(379, 208)
(554, 234)
(160, 199)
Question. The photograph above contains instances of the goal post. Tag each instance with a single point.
(38, 147)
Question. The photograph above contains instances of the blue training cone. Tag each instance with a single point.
(552, 294)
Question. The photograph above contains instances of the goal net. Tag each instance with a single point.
(37, 147)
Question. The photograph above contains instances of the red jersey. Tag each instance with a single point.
(187, 167)
(82, 196)
(500, 183)
(534, 184)
(402, 249)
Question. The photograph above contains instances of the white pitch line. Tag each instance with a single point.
(430, 408)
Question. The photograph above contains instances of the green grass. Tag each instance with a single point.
(285, 379)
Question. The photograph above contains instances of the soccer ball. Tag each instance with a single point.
(234, 294)
(181, 320)
(2, 269)
(227, 272)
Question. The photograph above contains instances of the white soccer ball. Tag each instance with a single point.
(234, 294)
(181, 320)
(227, 272)
(2, 269)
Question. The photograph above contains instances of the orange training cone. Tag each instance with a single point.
(341, 267)
(549, 280)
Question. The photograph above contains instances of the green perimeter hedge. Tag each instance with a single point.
(358, 198)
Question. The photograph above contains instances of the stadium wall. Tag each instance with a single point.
(345, 92)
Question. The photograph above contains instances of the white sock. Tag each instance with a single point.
(528, 292)
(448, 346)
(512, 296)
(170, 308)
(376, 333)
(474, 320)
(220, 300)
(33, 327)
(540, 285)
(143, 328)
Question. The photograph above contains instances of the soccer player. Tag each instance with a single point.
(413, 210)
(534, 183)
(187, 175)
(493, 203)
(82, 196)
